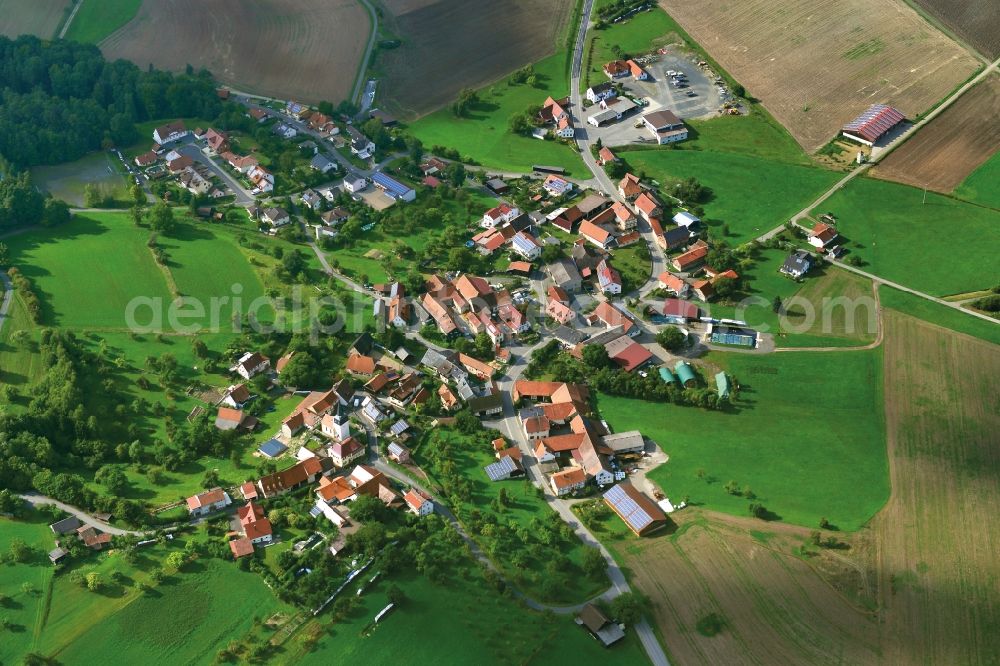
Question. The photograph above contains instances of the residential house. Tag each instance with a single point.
(612, 317)
(673, 283)
(624, 217)
(236, 396)
(498, 215)
(310, 411)
(217, 142)
(146, 159)
(675, 238)
(299, 474)
(599, 626)
(193, 182)
(260, 115)
(418, 502)
(605, 156)
(822, 235)
(297, 110)
(647, 206)
(556, 186)
(361, 145)
(601, 91)
(629, 187)
(797, 264)
(65, 526)
(170, 132)
(275, 217)
(398, 453)
(636, 70)
(608, 279)
(354, 183)
(358, 364)
(256, 527)
(599, 236)
(322, 163)
(617, 69)
(285, 131)
(690, 259)
(251, 364)
(206, 502)
(526, 246)
(568, 481)
(261, 179)
(241, 163)
(665, 126)
(448, 400)
(346, 451)
(432, 166)
(372, 411)
(179, 163)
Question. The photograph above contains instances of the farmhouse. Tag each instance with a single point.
(418, 503)
(204, 503)
(256, 528)
(617, 69)
(568, 481)
(822, 235)
(674, 238)
(499, 215)
(665, 126)
(690, 259)
(393, 188)
(648, 206)
(565, 275)
(624, 217)
(636, 70)
(345, 452)
(601, 91)
(797, 264)
(295, 476)
(629, 187)
(673, 283)
(599, 236)
(627, 353)
(873, 124)
(638, 511)
(310, 411)
(677, 311)
(612, 317)
(554, 112)
(170, 132)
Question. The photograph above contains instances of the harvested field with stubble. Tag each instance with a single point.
(38, 17)
(919, 584)
(937, 537)
(300, 49)
(975, 21)
(953, 145)
(773, 605)
(449, 45)
(816, 64)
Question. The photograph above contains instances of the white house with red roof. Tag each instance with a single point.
(204, 503)
(418, 503)
(499, 215)
(822, 235)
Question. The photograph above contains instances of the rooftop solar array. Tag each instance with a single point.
(628, 509)
(501, 470)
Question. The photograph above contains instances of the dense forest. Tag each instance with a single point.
(60, 100)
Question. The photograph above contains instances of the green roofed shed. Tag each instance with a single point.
(722, 383)
(685, 373)
(666, 375)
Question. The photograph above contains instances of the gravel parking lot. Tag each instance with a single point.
(696, 97)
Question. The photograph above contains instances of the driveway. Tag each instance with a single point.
(36, 500)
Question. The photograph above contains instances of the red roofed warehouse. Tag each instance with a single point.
(874, 123)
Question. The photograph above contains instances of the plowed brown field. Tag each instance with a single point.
(449, 45)
(299, 49)
(816, 64)
(919, 585)
(975, 21)
(951, 146)
(37, 17)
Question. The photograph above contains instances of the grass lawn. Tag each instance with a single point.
(469, 459)
(982, 186)
(128, 627)
(634, 268)
(67, 181)
(635, 37)
(96, 20)
(461, 622)
(19, 365)
(749, 205)
(802, 426)
(941, 247)
(25, 607)
(939, 314)
(484, 135)
(86, 272)
(809, 320)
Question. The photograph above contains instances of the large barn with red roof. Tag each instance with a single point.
(873, 124)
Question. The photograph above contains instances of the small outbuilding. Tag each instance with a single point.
(685, 374)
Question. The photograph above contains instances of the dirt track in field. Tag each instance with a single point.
(950, 147)
(817, 64)
(294, 49)
(449, 45)
(37, 17)
(975, 21)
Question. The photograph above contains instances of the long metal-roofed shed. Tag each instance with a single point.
(666, 375)
(638, 511)
(393, 188)
(722, 384)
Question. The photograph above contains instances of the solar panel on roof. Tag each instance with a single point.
(628, 509)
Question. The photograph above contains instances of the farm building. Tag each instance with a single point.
(393, 188)
(666, 375)
(873, 124)
(505, 468)
(685, 374)
(665, 126)
(685, 219)
(638, 511)
(677, 311)
(600, 626)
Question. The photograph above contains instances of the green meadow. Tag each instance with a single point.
(942, 315)
(484, 135)
(982, 186)
(460, 622)
(96, 20)
(795, 455)
(940, 246)
(25, 585)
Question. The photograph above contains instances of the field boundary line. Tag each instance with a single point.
(69, 19)
(365, 63)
